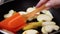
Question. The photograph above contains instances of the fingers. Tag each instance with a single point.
(57, 6)
(50, 4)
(40, 3)
(53, 3)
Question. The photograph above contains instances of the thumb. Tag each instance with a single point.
(40, 3)
(49, 4)
(52, 3)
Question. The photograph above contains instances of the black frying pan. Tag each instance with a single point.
(18, 5)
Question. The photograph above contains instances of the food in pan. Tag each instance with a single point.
(49, 28)
(48, 23)
(31, 31)
(43, 17)
(11, 12)
(32, 25)
(22, 12)
(44, 21)
(47, 12)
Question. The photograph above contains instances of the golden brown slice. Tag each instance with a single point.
(32, 25)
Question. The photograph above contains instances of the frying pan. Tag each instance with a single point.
(19, 5)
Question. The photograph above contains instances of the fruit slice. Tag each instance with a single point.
(48, 23)
(31, 31)
(11, 12)
(22, 12)
(47, 12)
(43, 17)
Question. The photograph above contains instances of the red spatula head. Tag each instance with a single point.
(13, 23)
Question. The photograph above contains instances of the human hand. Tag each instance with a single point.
(49, 4)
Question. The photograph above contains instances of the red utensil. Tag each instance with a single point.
(17, 21)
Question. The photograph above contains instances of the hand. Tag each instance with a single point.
(49, 4)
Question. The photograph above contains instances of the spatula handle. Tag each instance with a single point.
(31, 14)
